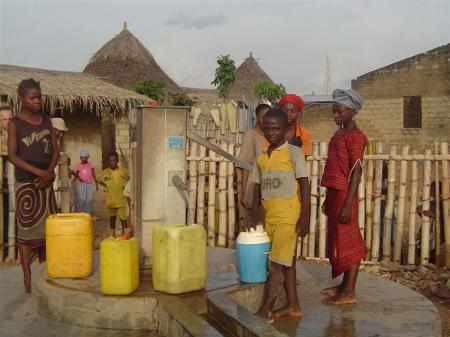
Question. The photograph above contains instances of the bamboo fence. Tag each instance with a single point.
(396, 188)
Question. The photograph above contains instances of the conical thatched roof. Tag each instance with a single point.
(247, 75)
(124, 60)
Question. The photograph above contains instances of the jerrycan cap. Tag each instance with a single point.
(254, 236)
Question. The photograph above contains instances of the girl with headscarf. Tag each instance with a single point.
(341, 177)
(86, 184)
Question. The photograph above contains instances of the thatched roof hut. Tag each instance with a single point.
(124, 60)
(247, 75)
(65, 91)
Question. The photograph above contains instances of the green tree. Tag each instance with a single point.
(181, 100)
(154, 89)
(269, 90)
(224, 75)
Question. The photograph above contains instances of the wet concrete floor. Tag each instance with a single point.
(384, 309)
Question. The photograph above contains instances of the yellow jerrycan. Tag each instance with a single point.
(69, 245)
(119, 266)
(179, 258)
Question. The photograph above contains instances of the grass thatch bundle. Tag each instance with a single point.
(65, 91)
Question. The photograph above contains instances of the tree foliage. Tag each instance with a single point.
(224, 75)
(269, 90)
(182, 100)
(154, 89)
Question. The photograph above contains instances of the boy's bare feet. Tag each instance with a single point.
(266, 316)
(341, 299)
(288, 312)
(331, 291)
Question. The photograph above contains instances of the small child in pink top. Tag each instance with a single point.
(86, 183)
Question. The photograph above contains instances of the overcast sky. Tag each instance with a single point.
(289, 38)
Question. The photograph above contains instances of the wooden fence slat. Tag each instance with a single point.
(322, 194)
(222, 238)
(2, 211)
(192, 185)
(437, 202)
(412, 214)
(389, 210)
(212, 201)
(362, 202)
(446, 203)
(401, 207)
(12, 212)
(378, 184)
(231, 201)
(201, 188)
(314, 202)
(425, 232)
(369, 205)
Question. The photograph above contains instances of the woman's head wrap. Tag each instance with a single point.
(349, 98)
(293, 99)
(84, 153)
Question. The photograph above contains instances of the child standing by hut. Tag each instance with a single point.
(114, 179)
(342, 174)
(86, 184)
(282, 186)
(32, 148)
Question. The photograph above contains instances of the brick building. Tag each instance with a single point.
(407, 102)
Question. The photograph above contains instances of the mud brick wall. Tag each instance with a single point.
(123, 137)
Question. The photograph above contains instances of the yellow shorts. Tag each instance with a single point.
(284, 243)
(120, 212)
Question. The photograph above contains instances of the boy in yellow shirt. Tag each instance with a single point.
(282, 186)
(114, 179)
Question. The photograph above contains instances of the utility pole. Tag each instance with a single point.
(327, 77)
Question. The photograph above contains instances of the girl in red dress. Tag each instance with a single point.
(341, 177)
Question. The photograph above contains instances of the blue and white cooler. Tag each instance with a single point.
(252, 255)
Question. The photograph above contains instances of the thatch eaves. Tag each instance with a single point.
(65, 91)
(124, 61)
(247, 75)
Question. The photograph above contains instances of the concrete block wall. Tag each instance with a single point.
(382, 120)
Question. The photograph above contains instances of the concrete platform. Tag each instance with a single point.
(384, 309)
(75, 308)
(80, 302)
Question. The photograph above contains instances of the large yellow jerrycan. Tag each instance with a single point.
(179, 258)
(119, 266)
(69, 245)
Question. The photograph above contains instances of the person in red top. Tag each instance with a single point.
(293, 105)
(341, 177)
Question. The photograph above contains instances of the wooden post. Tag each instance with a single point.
(401, 205)
(192, 184)
(446, 203)
(389, 210)
(201, 187)
(304, 241)
(314, 199)
(12, 212)
(212, 200)
(377, 204)
(64, 182)
(2, 212)
(323, 150)
(437, 202)
(425, 237)
(369, 207)
(222, 239)
(362, 202)
(231, 201)
(412, 213)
